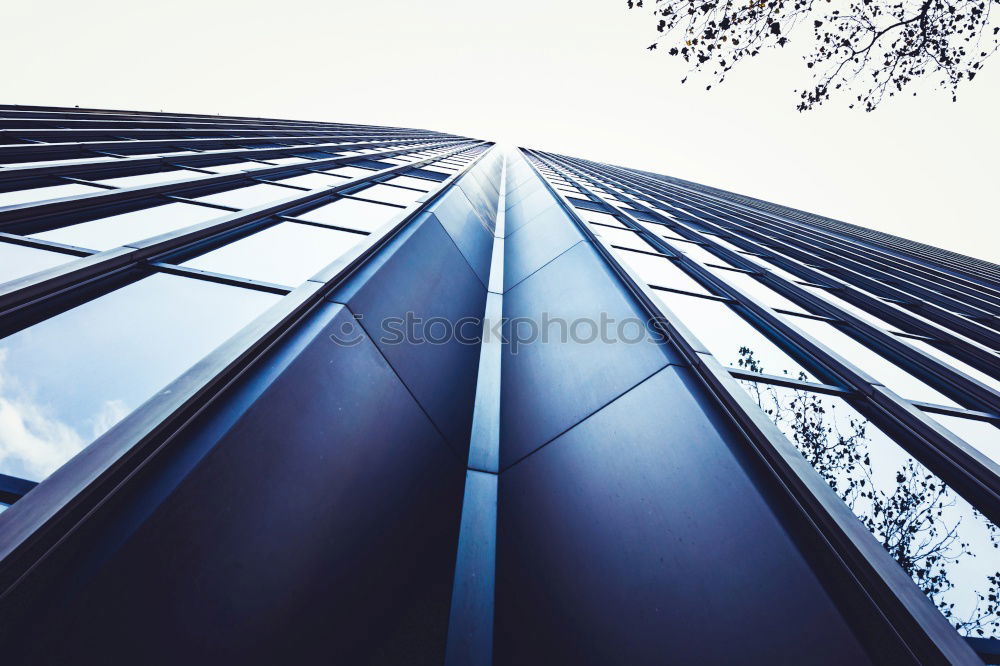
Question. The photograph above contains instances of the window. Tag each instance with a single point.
(18, 260)
(732, 340)
(388, 194)
(622, 238)
(352, 214)
(953, 362)
(120, 349)
(109, 232)
(233, 167)
(701, 255)
(863, 358)
(602, 218)
(288, 253)
(286, 160)
(838, 302)
(661, 230)
(747, 284)
(660, 271)
(249, 197)
(349, 172)
(981, 435)
(152, 178)
(948, 547)
(314, 181)
(415, 183)
(36, 194)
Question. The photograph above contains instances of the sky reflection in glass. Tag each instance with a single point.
(949, 549)
(68, 379)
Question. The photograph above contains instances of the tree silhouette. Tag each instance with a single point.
(909, 510)
(874, 48)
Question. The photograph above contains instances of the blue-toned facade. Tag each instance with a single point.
(295, 392)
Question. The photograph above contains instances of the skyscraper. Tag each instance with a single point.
(278, 391)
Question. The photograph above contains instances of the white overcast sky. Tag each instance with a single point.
(571, 76)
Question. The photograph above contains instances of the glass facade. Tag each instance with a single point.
(808, 420)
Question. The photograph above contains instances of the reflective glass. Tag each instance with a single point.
(118, 230)
(700, 254)
(953, 362)
(388, 194)
(746, 284)
(863, 315)
(438, 172)
(349, 172)
(863, 358)
(249, 197)
(660, 271)
(286, 160)
(661, 230)
(980, 435)
(947, 547)
(45, 193)
(732, 340)
(781, 272)
(233, 167)
(314, 181)
(119, 349)
(17, 260)
(415, 183)
(152, 178)
(622, 238)
(602, 218)
(287, 253)
(352, 214)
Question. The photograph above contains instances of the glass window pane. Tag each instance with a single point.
(287, 253)
(953, 362)
(152, 178)
(233, 167)
(118, 230)
(286, 160)
(120, 349)
(659, 271)
(439, 174)
(661, 230)
(45, 193)
(700, 254)
(249, 197)
(947, 547)
(313, 181)
(622, 238)
(349, 172)
(746, 284)
(732, 340)
(858, 355)
(602, 218)
(17, 261)
(416, 183)
(980, 435)
(832, 298)
(352, 214)
(388, 194)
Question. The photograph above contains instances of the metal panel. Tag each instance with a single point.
(426, 280)
(549, 387)
(639, 537)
